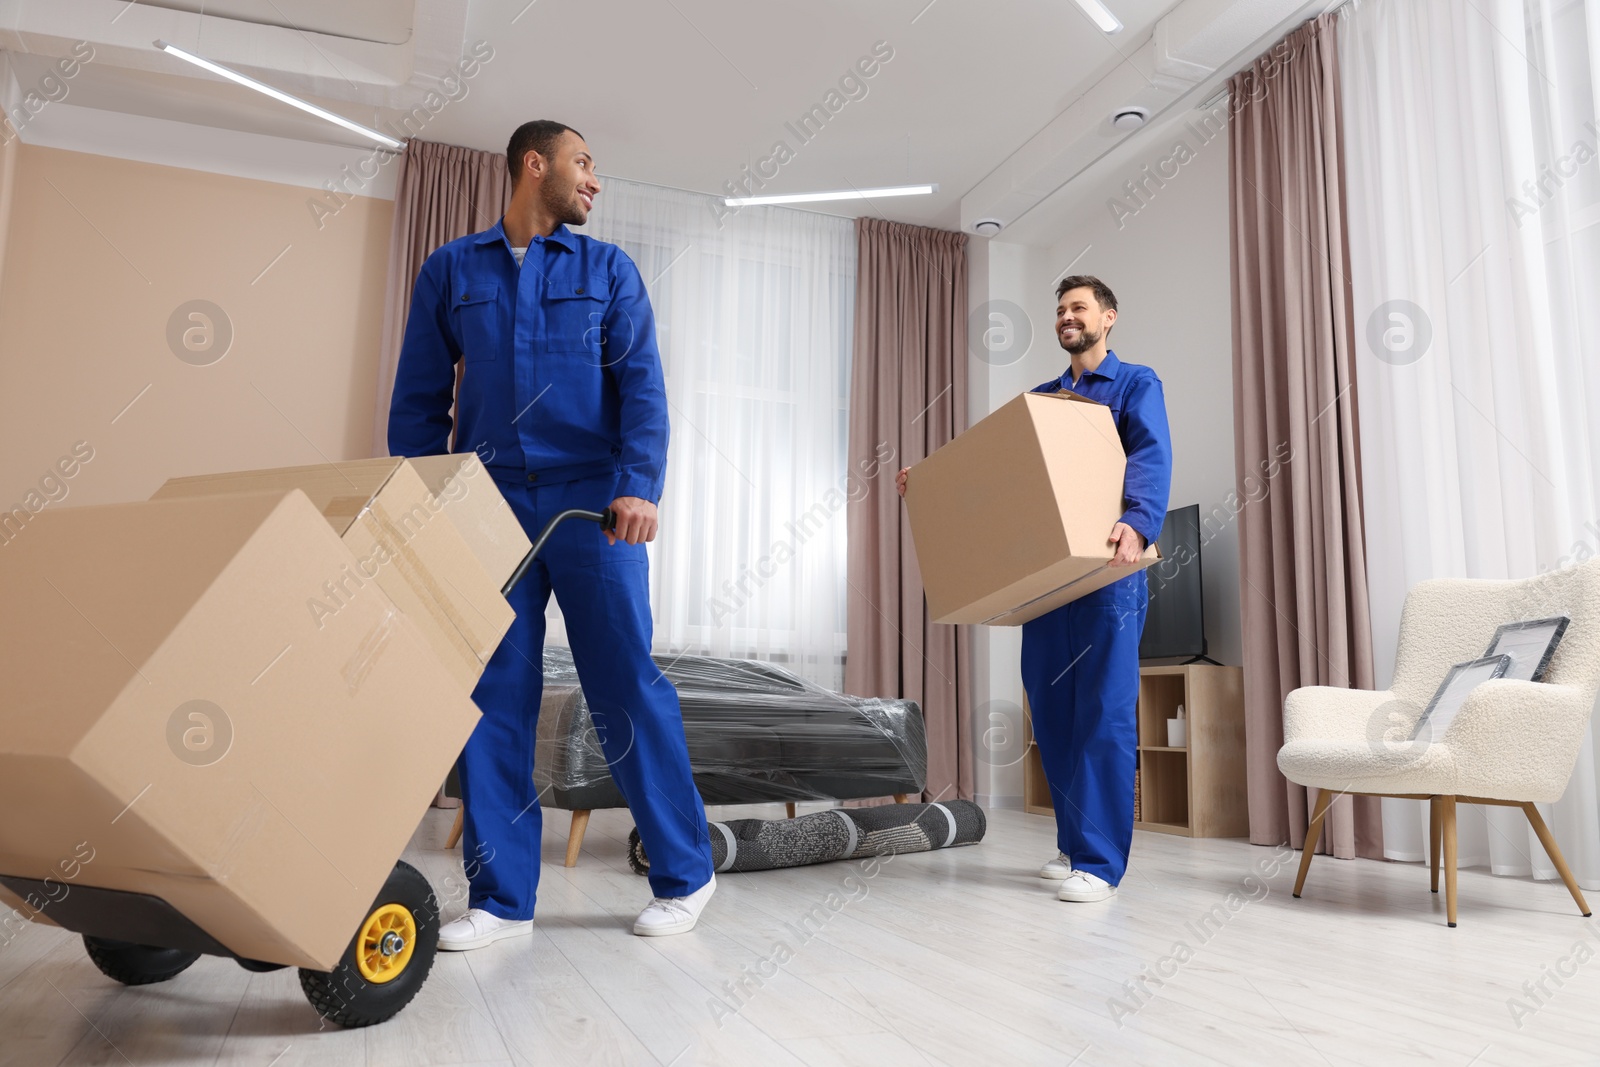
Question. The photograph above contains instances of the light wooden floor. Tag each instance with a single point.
(954, 957)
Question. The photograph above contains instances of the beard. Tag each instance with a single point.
(1086, 340)
(565, 205)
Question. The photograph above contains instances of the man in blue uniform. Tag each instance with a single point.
(1080, 663)
(563, 399)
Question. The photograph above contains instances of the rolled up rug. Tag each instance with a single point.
(837, 834)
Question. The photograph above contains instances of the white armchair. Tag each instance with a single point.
(1513, 743)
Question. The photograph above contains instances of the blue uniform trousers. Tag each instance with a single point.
(1080, 668)
(604, 594)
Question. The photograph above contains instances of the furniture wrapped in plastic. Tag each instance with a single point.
(839, 834)
(756, 733)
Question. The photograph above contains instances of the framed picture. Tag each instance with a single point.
(1452, 693)
(1530, 645)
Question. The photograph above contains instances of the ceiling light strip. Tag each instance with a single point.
(844, 194)
(1101, 16)
(279, 95)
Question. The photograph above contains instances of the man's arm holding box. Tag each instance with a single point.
(1148, 481)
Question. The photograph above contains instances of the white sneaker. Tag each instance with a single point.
(674, 915)
(478, 928)
(1081, 887)
(1057, 869)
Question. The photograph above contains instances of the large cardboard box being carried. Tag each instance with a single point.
(405, 538)
(1011, 519)
(175, 722)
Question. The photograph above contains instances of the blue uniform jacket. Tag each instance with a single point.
(562, 375)
(1133, 393)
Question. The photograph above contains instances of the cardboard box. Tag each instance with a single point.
(175, 713)
(402, 541)
(1011, 519)
(467, 493)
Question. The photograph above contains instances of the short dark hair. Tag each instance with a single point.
(1102, 292)
(539, 136)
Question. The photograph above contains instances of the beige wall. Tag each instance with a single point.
(100, 253)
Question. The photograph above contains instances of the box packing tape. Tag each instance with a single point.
(360, 665)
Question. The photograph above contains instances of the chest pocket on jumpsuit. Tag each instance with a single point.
(574, 317)
(476, 317)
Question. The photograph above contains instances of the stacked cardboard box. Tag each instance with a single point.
(1012, 518)
(434, 534)
(239, 697)
(466, 494)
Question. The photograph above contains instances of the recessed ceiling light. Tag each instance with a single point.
(1101, 15)
(1130, 118)
(279, 95)
(846, 194)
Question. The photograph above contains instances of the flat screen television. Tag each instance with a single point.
(1175, 625)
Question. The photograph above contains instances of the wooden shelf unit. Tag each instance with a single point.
(1195, 791)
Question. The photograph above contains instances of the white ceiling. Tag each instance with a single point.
(683, 93)
(387, 21)
(179, 97)
(687, 93)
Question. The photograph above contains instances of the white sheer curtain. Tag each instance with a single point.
(1474, 206)
(754, 321)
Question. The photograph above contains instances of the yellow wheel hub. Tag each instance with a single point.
(387, 940)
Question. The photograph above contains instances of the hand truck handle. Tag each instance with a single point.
(607, 520)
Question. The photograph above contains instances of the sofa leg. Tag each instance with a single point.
(1313, 832)
(899, 798)
(1435, 838)
(456, 827)
(580, 823)
(1448, 806)
(1549, 842)
(789, 807)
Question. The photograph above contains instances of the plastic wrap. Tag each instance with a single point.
(756, 733)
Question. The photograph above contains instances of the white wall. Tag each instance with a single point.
(1165, 254)
(997, 274)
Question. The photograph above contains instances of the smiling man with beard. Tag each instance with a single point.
(563, 399)
(1080, 662)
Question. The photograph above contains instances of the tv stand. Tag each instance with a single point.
(1201, 658)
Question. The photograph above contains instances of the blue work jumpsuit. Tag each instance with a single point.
(1080, 662)
(563, 399)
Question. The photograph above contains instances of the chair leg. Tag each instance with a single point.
(1447, 807)
(1435, 839)
(789, 807)
(455, 828)
(1547, 839)
(580, 823)
(1313, 832)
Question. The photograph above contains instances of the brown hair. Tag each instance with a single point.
(1102, 292)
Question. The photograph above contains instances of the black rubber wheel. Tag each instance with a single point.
(259, 966)
(133, 964)
(381, 970)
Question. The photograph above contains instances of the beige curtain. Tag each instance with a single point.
(1303, 584)
(908, 393)
(442, 192)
